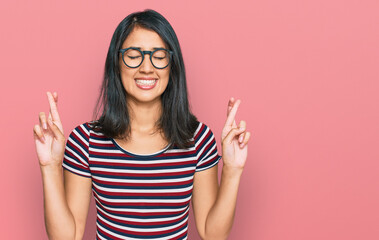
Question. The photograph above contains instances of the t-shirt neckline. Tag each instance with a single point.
(140, 155)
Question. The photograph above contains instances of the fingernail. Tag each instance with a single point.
(240, 139)
(44, 126)
(43, 139)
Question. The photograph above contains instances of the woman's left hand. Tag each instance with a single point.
(234, 139)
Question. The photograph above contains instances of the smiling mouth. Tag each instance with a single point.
(146, 84)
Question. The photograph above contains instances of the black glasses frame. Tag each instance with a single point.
(122, 51)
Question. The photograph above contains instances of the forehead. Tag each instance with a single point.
(143, 38)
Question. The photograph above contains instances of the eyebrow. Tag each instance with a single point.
(153, 48)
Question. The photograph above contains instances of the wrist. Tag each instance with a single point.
(51, 169)
(230, 171)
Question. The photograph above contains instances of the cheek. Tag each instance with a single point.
(127, 80)
(166, 75)
(166, 79)
(126, 74)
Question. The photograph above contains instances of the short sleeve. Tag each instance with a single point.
(206, 148)
(76, 152)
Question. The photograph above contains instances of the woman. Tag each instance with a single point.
(147, 156)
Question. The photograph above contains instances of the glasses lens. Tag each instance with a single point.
(132, 57)
(160, 58)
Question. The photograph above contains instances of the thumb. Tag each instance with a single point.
(233, 134)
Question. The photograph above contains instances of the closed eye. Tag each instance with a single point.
(133, 57)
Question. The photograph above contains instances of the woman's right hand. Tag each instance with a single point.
(48, 135)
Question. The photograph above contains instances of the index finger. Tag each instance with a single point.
(232, 114)
(53, 107)
(230, 105)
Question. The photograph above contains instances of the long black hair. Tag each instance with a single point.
(177, 122)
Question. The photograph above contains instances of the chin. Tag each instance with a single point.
(144, 98)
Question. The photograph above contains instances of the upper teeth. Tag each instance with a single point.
(146, 82)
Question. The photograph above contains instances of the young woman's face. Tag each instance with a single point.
(144, 83)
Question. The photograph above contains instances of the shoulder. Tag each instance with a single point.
(83, 130)
(203, 132)
(206, 148)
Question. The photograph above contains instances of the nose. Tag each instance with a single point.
(146, 65)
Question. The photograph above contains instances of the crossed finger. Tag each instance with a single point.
(230, 106)
(53, 107)
(55, 96)
(53, 114)
(232, 111)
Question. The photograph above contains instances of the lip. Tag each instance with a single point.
(146, 78)
(146, 87)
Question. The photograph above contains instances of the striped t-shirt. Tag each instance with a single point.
(139, 196)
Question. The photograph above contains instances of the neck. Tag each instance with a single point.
(143, 116)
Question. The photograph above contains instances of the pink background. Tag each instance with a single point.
(306, 71)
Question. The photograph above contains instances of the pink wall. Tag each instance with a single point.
(306, 71)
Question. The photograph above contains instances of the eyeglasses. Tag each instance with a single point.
(133, 57)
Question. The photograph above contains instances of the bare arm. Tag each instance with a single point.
(65, 201)
(59, 221)
(214, 206)
(78, 192)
